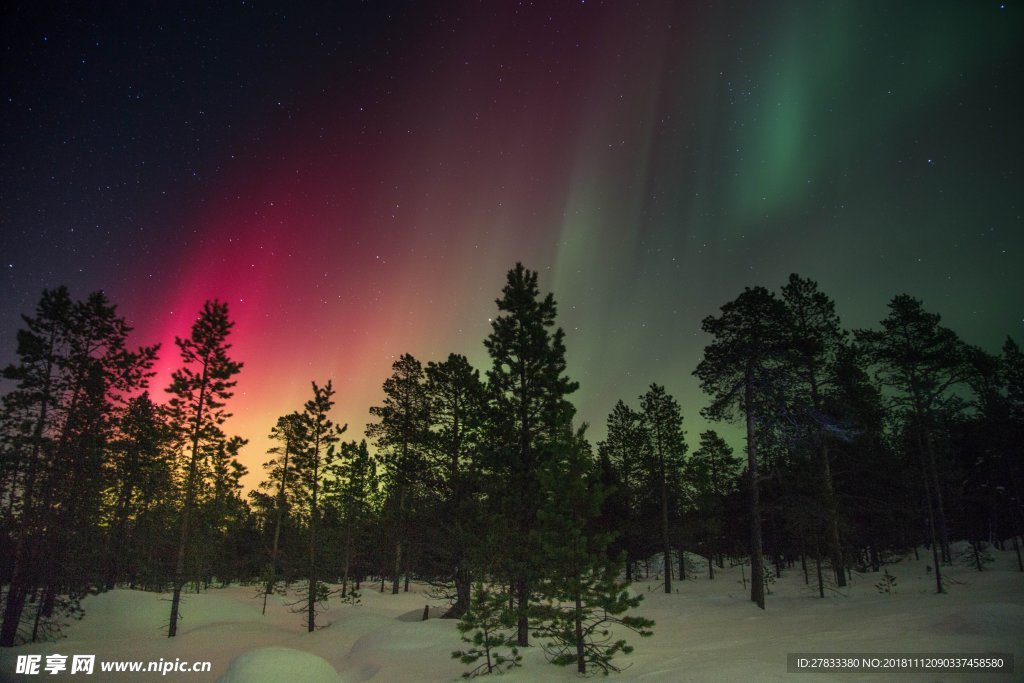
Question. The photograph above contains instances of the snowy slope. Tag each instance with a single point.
(706, 631)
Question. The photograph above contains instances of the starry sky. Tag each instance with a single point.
(355, 179)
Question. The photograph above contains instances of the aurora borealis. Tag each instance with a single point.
(356, 179)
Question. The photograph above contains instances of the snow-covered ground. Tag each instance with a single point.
(707, 631)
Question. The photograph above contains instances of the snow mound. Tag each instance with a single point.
(275, 664)
(986, 619)
(434, 612)
(127, 613)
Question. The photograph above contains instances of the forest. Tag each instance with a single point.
(859, 446)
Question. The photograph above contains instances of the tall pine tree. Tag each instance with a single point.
(351, 486)
(662, 423)
(527, 413)
(452, 464)
(288, 433)
(626, 449)
(73, 377)
(199, 391)
(313, 459)
(741, 368)
(713, 471)
(921, 362)
(401, 435)
(140, 473)
(816, 339)
(582, 594)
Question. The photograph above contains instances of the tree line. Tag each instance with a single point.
(859, 445)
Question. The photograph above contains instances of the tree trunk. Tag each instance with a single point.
(397, 576)
(931, 535)
(18, 589)
(463, 587)
(835, 547)
(821, 581)
(522, 622)
(275, 559)
(115, 561)
(927, 465)
(345, 563)
(1016, 549)
(756, 567)
(664, 528)
(13, 608)
(940, 511)
(186, 513)
(45, 610)
(311, 601)
(581, 661)
(313, 512)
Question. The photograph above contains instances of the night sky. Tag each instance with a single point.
(356, 179)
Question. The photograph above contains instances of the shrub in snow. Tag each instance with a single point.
(742, 563)
(769, 579)
(350, 597)
(492, 624)
(887, 584)
(975, 555)
(575, 621)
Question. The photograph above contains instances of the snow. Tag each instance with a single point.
(707, 630)
(276, 664)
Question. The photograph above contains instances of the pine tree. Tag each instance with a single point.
(313, 459)
(140, 476)
(740, 369)
(922, 362)
(452, 461)
(582, 594)
(627, 449)
(528, 410)
(988, 444)
(876, 471)
(401, 434)
(351, 486)
(713, 471)
(74, 375)
(662, 423)
(1012, 366)
(224, 513)
(288, 434)
(489, 620)
(816, 338)
(199, 390)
